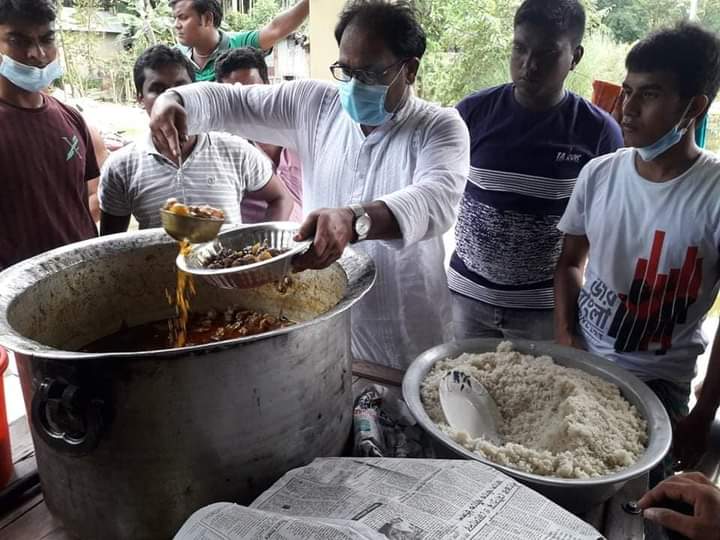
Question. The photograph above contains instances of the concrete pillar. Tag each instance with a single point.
(323, 49)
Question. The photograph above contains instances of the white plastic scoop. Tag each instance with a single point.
(469, 407)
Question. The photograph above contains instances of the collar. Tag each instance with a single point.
(222, 46)
(147, 146)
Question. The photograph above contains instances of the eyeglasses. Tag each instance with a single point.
(344, 73)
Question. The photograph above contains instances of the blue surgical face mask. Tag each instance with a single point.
(365, 103)
(664, 143)
(30, 78)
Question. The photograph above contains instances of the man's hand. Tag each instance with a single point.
(333, 231)
(168, 125)
(694, 489)
(568, 340)
(690, 438)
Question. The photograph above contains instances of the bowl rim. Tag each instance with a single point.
(359, 270)
(198, 218)
(631, 387)
(182, 260)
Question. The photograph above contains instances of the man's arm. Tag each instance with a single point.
(93, 202)
(280, 203)
(690, 437)
(568, 282)
(110, 224)
(424, 209)
(333, 230)
(271, 151)
(279, 114)
(112, 195)
(284, 24)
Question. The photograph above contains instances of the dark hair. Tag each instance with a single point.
(34, 11)
(242, 58)
(156, 57)
(688, 51)
(214, 7)
(396, 23)
(561, 17)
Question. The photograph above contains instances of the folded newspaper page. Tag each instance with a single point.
(392, 498)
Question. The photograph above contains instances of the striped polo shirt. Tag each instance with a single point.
(523, 168)
(138, 179)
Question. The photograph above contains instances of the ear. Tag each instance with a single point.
(578, 54)
(207, 19)
(411, 68)
(698, 107)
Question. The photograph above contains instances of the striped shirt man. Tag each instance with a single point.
(220, 169)
(523, 168)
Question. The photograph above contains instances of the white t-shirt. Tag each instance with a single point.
(138, 179)
(652, 272)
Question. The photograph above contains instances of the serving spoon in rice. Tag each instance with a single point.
(469, 407)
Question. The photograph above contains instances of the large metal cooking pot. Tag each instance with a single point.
(577, 495)
(129, 445)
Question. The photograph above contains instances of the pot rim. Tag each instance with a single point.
(358, 267)
(658, 422)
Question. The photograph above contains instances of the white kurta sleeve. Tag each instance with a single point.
(428, 207)
(282, 114)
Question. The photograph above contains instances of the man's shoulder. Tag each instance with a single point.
(587, 112)
(437, 117)
(228, 142)
(606, 167)
(709, 167)
(126, 159)
(187, 51)
(68, 112)
(484, 97)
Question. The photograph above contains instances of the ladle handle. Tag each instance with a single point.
(65, 418)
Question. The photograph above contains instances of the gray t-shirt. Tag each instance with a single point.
(652, 273)
(221, 168)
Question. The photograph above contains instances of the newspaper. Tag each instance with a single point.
(384, 427)
(388, 498)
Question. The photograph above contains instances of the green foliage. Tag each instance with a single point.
(94, 65)
(630, 20)
(604, 60)
(709, 14)
(263, 12)
(469, 47)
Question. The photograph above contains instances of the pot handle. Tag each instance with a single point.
(65, 418)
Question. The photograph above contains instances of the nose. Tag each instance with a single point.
(530, 64)
(631, 104)
(37, 53)
(178, 26)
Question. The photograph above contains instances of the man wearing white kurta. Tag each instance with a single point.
(404, 162)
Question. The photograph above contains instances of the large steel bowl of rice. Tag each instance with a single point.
(577, 494)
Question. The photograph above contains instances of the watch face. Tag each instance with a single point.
(362, 226)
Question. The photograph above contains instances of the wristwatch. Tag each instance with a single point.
(362, 222)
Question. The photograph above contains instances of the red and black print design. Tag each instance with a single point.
(656, 302)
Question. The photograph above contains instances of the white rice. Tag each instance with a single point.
(557, 421)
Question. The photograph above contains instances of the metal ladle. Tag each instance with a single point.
(469, 407)
(196, 230)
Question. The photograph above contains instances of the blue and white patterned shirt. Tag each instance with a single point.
(523, 166)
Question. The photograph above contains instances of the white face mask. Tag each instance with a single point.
(666, 142)
(30, 78)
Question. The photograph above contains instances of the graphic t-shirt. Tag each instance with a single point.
(46, 160)
(523, 166)
(652, 272)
